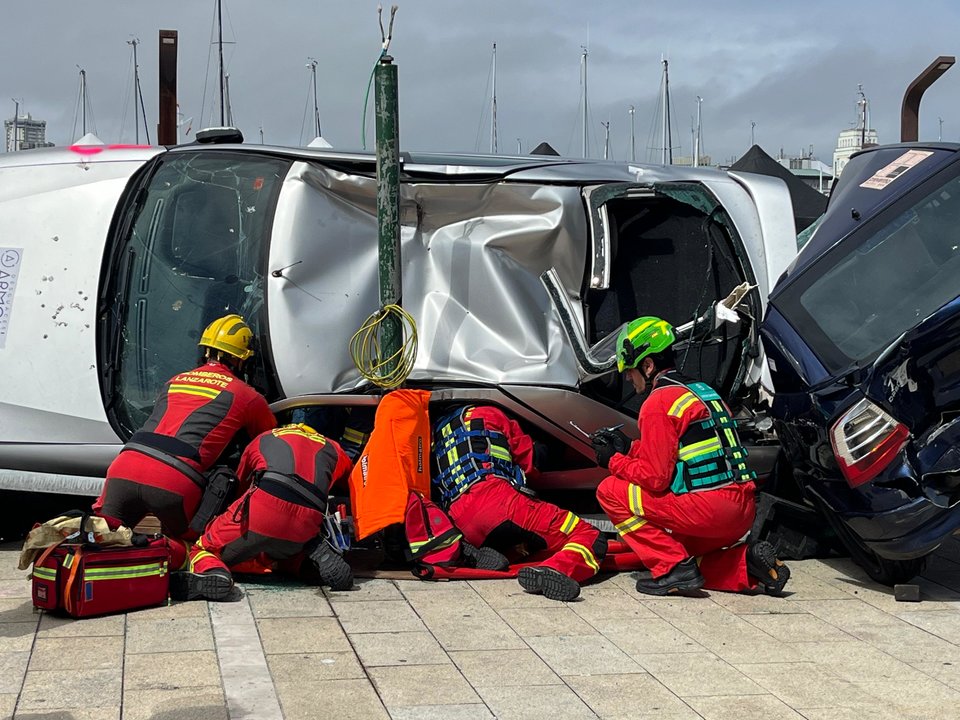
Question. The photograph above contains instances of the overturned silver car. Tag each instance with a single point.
(124, 254)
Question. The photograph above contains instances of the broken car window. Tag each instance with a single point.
(196, 251)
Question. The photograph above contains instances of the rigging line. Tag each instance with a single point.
(206, 73)
(654, 131)
(143, 109)
(93, 120)
(306, 105)
(576, 119)
(573, 131)
(76, 114)
(126, 100)
(483, 109)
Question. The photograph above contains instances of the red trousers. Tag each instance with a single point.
(664, 529)
(261, 526)
(493, 512)
(138, 484)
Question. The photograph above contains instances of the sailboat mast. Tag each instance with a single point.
(226, 85)
(316, 105)
(220, 52)
(667, 153)
(83, 101)
(697, 138)
(136, 90)
(493, 105)
(583, 81)
(633, 143)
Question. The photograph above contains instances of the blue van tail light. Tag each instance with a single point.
(865, 440)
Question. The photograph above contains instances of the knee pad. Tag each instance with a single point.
(600, 547)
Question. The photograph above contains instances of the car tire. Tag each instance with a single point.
(883, 570)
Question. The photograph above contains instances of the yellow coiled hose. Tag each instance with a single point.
(366, 354)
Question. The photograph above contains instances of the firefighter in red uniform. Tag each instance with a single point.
(161, 468)
(278, 520)
(482, 460)
(681, 496)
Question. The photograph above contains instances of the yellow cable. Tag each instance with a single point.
(366, 353)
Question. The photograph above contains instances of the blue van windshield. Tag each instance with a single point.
(882, 280)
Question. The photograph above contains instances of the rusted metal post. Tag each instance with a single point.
(910, 110)
(388, 205)
(167, 125)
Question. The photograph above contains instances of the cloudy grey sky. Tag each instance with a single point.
(792, 68)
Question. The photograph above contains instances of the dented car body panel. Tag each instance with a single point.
(869, 313)
(287, 237)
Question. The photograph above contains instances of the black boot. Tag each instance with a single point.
(683, 578)
(483, 558)
(214, 584)
(548, 582)
(764, 567)
(330, 567)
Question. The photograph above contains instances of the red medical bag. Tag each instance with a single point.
(85, 580)
(431, 535)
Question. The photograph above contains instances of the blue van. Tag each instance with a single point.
(862, 336)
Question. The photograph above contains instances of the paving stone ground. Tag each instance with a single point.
(838, 647)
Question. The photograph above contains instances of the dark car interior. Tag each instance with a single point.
(671, 260)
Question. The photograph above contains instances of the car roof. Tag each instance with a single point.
(479, 167)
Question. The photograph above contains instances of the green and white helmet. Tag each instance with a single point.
(641, 337)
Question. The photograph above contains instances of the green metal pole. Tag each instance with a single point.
(388, 204)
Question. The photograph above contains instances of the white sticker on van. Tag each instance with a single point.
(887, 174)
(9, 269)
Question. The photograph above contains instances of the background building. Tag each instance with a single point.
(813, 172)
(705, 160)
(856, 138)
(30, 133)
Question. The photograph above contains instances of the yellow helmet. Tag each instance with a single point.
(229, 334)
(302, 427)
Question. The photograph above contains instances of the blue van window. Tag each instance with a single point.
(885, 280)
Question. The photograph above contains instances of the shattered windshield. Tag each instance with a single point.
(195, 251)
(882, 282)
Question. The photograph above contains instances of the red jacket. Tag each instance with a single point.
(205, 408)
(651, 461)
(289, 450)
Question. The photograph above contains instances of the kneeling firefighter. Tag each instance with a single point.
(482, 459)
(162, 468)
(681, 496)
(279, 519)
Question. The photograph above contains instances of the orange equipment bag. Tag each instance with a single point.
(395, 461)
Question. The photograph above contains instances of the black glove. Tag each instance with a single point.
(604, 451)
(607, 443)
(616, 438)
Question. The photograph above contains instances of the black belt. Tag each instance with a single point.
(314, 497)
(167, 444)
(171, 460)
